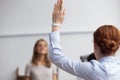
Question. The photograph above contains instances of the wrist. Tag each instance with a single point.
(54, 29)
(56, 25)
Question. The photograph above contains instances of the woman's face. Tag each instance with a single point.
(42, 47)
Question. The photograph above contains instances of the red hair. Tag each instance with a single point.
(107, 37)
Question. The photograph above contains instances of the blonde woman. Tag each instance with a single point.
(40, 67)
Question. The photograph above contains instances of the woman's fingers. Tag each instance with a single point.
(61, 4)
(58, 12)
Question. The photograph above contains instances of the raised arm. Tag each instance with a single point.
(55, 51)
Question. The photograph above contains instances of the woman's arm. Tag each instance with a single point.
(55, 77)
(55, 52)
(55, 72)
(27, 72)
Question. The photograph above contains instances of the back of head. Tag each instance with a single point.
(107, 37)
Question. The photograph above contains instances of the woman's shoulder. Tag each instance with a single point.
(29, 65)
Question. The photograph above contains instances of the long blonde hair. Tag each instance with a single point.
(35, 54)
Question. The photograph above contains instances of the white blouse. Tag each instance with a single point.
(40, 72)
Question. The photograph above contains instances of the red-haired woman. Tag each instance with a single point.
(106, 43)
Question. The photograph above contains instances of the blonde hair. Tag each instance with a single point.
(35, 54)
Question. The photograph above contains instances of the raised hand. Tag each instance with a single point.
(58, 12)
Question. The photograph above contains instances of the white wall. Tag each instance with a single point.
(28, 16)
(22, 22)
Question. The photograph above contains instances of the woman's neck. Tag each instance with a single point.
(101, 55)
(41, 59)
